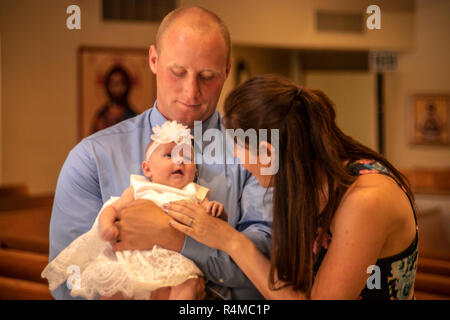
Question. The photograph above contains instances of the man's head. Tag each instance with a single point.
(191, 61)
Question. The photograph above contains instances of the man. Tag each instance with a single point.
(191, 61)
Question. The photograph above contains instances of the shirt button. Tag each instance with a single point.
(221, 280)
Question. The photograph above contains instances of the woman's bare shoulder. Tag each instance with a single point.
(372, 198)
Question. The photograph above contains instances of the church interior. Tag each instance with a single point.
(389, 79)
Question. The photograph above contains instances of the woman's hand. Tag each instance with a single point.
(192, 219)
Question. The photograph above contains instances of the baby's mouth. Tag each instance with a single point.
(180, 172)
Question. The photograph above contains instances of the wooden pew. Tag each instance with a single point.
(434, 266)
(18, 289)
(24, 232)
(434, 254)
(24, 224)
(429, 180)
(432, 283)
(22, 265)
(25, 243)
(13, 190)
(419, 295)
(433, 275)
(26, 202)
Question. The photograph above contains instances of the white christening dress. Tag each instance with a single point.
(94, 270)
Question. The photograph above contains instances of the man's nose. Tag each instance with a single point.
(192, 89)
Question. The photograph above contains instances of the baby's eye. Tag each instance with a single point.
(168, 155)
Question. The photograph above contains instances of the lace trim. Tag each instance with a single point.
(134, 273)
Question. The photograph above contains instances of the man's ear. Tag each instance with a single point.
(228, 69)
(153, 58)
(146, 169)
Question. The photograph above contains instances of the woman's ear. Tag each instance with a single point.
(146, 169)
(265, 151)
(268, 158)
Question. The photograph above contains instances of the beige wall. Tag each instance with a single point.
(426, 69)
(353, 94)
(291, 23)
(259, 61)
(39, 70)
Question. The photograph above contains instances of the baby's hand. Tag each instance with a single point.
(108, 233)
(214, 208)
(107, 229)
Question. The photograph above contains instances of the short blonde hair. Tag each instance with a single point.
(178, 13)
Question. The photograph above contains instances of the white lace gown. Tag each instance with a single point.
(94, 270)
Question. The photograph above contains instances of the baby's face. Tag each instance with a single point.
(164, 169)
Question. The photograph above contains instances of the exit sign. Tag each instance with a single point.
(381, 61)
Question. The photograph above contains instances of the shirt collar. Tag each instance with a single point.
(156, 118)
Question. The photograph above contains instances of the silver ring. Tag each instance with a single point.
(190, 222)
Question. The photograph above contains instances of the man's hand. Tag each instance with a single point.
(143, 224)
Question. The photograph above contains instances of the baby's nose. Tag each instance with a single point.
(178, 160)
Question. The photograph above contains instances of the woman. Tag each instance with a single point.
(340, 209)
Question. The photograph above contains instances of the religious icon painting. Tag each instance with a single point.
(431, 114)
(114, 84)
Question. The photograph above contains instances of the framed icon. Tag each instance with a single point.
(430, 123)
(114, 84)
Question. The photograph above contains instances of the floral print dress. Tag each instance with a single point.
(397, 272)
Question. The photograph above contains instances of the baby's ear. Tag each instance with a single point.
(146, 169)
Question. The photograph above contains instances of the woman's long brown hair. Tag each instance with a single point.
(312, 151)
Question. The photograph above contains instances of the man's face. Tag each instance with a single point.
(190, 69)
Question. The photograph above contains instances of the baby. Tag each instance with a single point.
(149, 274)
(163, 167)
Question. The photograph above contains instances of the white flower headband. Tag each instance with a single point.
(170, 131)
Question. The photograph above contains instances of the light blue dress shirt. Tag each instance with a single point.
(100, 166)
